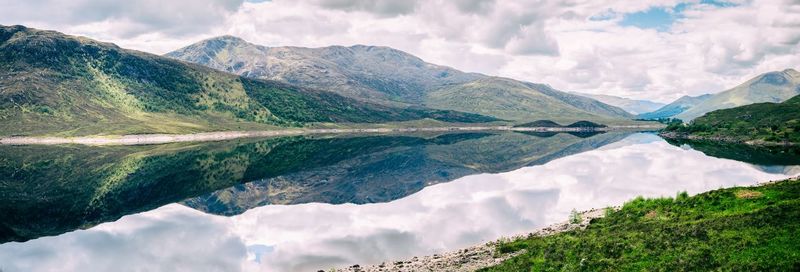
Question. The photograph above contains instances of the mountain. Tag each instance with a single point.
(627, 104)
(769, 87)
(760, 122)
(371, 73)
(676, 107)
(389, 76)
(51, 83)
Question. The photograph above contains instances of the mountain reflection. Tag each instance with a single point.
(49, 190)
(396, 171)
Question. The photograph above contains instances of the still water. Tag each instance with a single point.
(308, 203)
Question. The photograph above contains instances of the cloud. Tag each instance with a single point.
(532, 40)
(475, 6)
(586, 46)
(171, 239)
(380, 7)
(131, 18)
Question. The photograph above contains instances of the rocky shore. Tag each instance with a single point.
(475, 257)
(228, 135)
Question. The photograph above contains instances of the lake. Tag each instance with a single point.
(306, 203)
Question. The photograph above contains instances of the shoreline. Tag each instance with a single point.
(756, 143)
(477, 256)
(146, 139)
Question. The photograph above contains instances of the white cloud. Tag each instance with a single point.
(707, 49)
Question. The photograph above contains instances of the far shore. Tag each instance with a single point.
(756, 143)
(144, 139)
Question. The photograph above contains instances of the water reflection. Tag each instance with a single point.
(51, 190)
(397, 172)
(311, 236)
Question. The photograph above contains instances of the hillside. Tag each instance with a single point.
(761, 122)
(59, 84)
(630, 105)
(389, 76)
(772, 87)
(676, 107)
(514, 100)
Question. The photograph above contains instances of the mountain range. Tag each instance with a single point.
(390, 76)
(51, 83)
(57, 84)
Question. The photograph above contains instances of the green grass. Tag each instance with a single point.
(767, 122)
(736, 229)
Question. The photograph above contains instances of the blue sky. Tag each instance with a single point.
(662, 18)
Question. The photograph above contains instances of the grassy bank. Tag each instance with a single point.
(758, 124)
(738, 229)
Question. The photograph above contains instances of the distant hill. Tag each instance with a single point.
(769, 87)
(551, 124)
(676, 107)
(514, 100)
(760, 122)
(586, 124)
(390, 76)
(630, 105)
(540, 123)
(51, 83)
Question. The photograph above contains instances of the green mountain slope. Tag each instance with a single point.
(676, 107)
(630, 105)
(389, 76)
(769, 87)
(513, 100)
(58, 84)
(768, 122)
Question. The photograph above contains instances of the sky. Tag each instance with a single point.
(648, 49)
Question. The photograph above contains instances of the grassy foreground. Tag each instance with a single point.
(736, 229)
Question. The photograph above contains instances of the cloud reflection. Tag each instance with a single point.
(448, 216)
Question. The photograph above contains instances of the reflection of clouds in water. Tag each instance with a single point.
(171, 238)
(443, 217)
